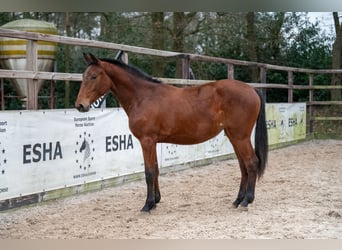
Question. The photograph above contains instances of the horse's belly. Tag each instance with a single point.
(191, 137)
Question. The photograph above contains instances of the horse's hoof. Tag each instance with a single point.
(148, 207)
(242, 208)
(144, 210)
(235, 204)
(158, 197)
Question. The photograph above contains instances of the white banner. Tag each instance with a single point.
(48, 150)
(285, 122)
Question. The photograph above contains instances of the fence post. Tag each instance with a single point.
(311, 99)
(290, 83)
(124, 57)
(185, 67)
(263, 80)
(230, 71)
(51, 94)
(32, 84)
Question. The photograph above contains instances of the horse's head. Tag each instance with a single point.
(95, 83)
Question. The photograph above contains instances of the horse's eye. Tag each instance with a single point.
(93, 77)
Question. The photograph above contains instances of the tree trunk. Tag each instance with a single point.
(67, 62)
(254, 74)
(179, 24)
(336, 60)
(179, 32)
(158, 38)
(276, 34)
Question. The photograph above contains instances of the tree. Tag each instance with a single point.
(336, 60)
(268, 37)
(250, 36)
(67, 61)
(158, 42)
(181, 29)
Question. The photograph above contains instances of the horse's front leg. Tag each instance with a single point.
(151, 173)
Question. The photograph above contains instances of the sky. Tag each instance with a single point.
(325, 19)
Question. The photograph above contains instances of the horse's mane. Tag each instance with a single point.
(131, 69)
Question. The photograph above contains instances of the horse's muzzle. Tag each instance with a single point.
(81, 108)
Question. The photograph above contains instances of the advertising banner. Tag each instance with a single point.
(46, 150)
(285, 122)
(52, 149)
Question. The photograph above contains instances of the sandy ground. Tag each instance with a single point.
(300, 196)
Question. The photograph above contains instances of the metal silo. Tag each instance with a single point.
(13, 51)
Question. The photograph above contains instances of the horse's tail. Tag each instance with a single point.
(261, 138)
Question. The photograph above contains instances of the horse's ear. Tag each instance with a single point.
(90, 59)
(86, 57)
(93, 59)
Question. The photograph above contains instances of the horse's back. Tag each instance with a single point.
(236, 93)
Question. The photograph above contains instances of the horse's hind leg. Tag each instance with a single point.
(243, 181)
(248, 162)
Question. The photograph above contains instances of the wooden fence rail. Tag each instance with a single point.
(33, 75)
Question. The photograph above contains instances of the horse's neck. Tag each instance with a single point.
(124, 88)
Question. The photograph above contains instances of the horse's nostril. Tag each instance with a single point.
(80, 107)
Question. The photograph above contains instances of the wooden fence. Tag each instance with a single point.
(33, 75)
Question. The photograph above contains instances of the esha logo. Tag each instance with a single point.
(84, 151)
(46, 151)
(119, 142)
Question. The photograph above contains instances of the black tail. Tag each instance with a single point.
(261, 138)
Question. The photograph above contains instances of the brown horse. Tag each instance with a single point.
(160, 112)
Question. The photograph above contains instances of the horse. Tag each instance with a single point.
(161, 113)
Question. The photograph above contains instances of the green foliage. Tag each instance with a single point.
(11, 103)
(287, 39)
